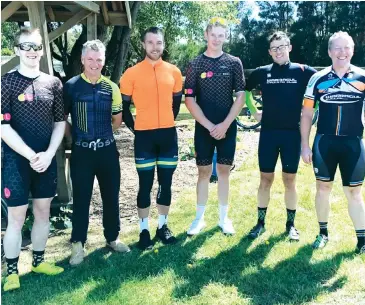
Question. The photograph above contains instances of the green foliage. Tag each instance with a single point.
(8, 30)
(7, 52)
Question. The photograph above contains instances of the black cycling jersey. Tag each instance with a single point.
(341, 101)
(212, 81)
(282, 88)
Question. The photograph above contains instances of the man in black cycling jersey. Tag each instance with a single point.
(340, 91)
(95, 106)
(282, 84)
(211, 79)
(32, 128)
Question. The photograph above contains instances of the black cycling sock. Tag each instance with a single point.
(38, 257)
(360, 234)
(290, 217)
(261, 214)
(12, 265)
(323, 228)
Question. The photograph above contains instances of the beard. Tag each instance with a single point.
(154, 57)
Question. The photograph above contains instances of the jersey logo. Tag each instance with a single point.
(341, 98)
(26, 97)
(268, 74)
(5, 117)
(188, 91)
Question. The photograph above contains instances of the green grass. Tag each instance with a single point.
(212, 268)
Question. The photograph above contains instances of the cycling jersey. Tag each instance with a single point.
(91, 107)
(340, 101)
(152, 87)
(282, 88)
(31, 106)
(212, 81)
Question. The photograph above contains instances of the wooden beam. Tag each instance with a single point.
(117, 18)
(50, 13)
(37, 17)
(91, 26)
(128, 11)
(114, 6)
(9, 65)
(10, 9)
(68, 24)
(104, 10)
(89, 5)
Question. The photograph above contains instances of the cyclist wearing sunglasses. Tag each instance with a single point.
(282, 84)
(211, 79)
(95, 106)
(32, 128)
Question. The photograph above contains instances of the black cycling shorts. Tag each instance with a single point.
(283, 142)
(345, 151)
(18, 179)
(155, 147)
(205, 145)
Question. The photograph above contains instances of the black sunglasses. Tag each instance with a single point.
(26, 46)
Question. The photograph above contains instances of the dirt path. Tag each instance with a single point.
(184, 177)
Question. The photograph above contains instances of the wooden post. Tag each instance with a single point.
(91, 26)
(37, 17)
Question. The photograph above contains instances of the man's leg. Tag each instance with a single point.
(291, 201)
(82, 177)
(204, 149)
(268, 155)
(12, 244)
(39, 235)
(166, 164)
(108, 175)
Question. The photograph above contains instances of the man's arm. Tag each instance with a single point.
(15, 142)
(116, 121)
(197, 113)
(305, 129)
(176, 103)
(126, 112)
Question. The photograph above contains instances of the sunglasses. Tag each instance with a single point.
(219, 20)
(26, 46)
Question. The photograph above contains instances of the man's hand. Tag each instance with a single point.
(41, 161)
(258, 116)
(307, 155)
(219, 131)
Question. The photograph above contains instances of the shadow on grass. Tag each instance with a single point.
(294, 280)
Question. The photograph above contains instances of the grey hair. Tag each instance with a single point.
(338, 35)
(94, 45)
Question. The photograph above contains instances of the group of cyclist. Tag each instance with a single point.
(35, 109)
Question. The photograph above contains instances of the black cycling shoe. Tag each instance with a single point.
(165, 235)
(256, 231)
(145, 242)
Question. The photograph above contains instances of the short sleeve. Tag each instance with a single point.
(253, 80)
(178, 82)
(5, 102)
(309, 94)
(127, 83)
(191, 80)
(239, 77)
(117, 99)
(309, 72)
(58, 106)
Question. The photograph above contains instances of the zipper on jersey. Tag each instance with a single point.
(339, 117)
(94, 112)
(158, 98)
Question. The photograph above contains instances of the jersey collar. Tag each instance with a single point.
(159, 62)
(88, 81)
(286, 65)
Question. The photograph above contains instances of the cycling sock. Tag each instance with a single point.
(323, 228)
(12, 265)
(200, 210)
(360, 234)
(143, 224)
(290, 217)
(223, 210)
(38, 257)
(261, 215)
(162, 220)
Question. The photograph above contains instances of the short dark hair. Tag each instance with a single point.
(154, 30)
(278, 35)
(26, 31)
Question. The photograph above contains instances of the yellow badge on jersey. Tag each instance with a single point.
(21, 97)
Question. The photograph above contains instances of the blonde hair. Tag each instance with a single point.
(26, 31)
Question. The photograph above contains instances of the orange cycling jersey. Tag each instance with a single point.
(152, 89)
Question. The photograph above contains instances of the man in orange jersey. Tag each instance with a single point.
(155, 87)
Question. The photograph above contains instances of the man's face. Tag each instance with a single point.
(153, 45)
(279, 51)
(25, 50)
(215, 38)
(341, 52)
(93, 62)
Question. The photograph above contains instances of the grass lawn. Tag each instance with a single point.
(212, 268)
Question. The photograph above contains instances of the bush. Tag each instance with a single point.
(6, 52)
